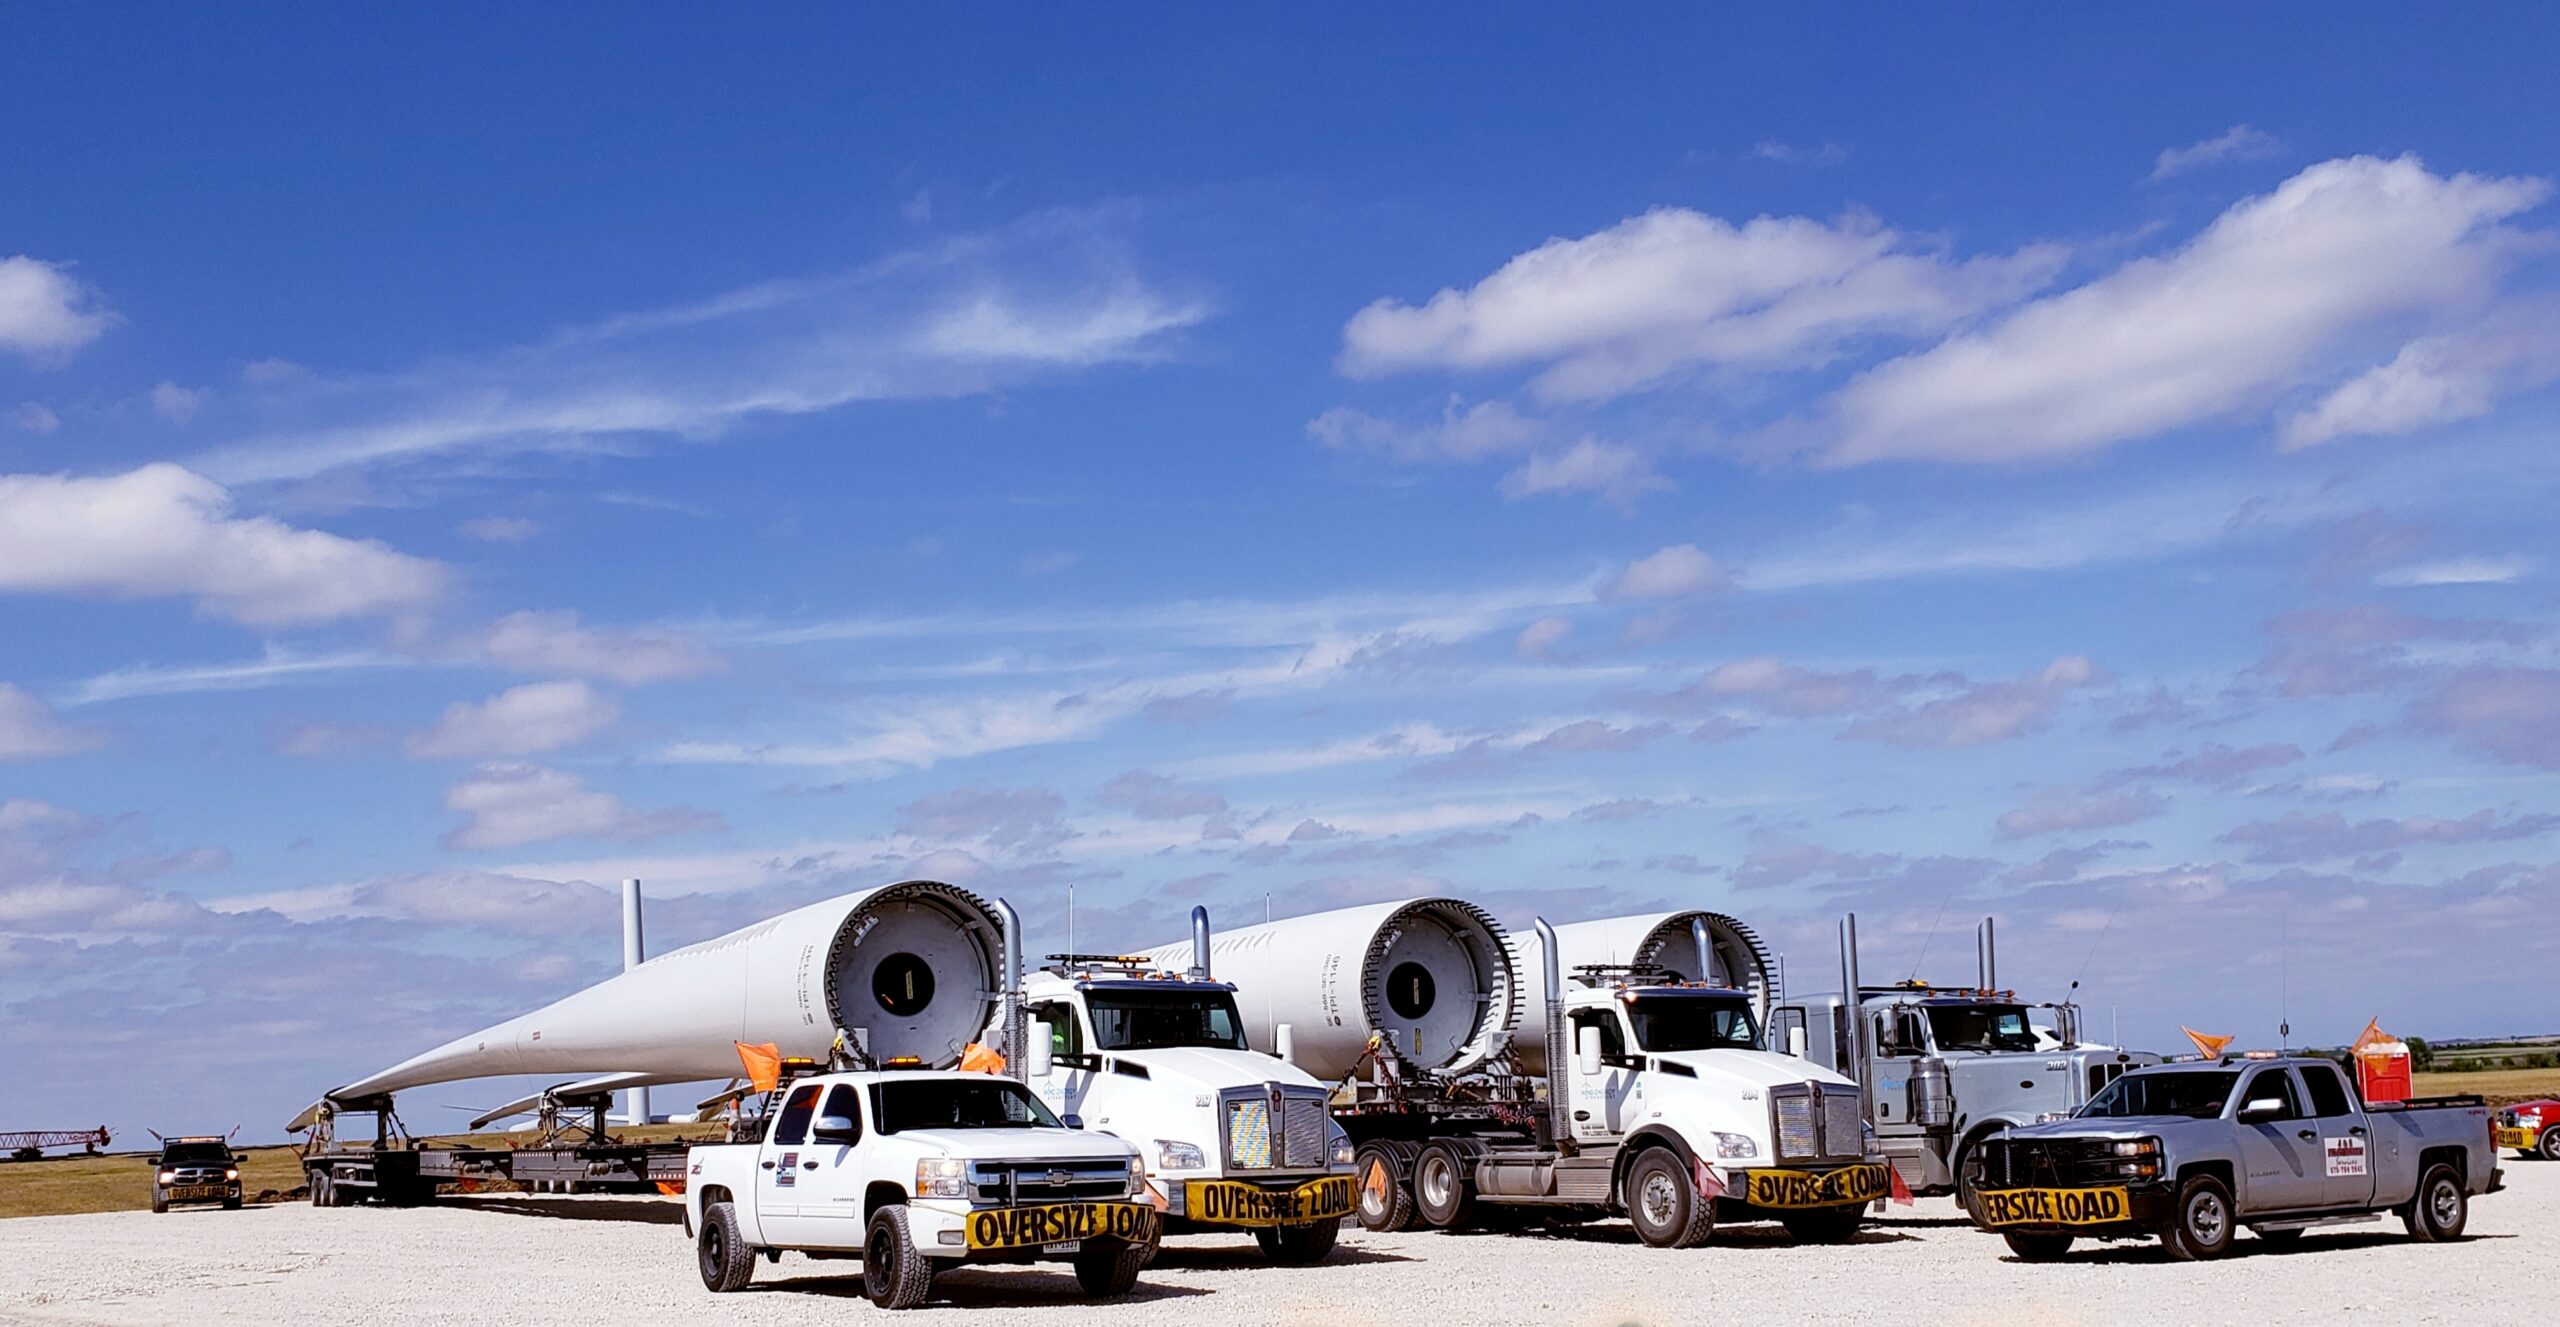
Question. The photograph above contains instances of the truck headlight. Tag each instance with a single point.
(942, 1177)
(2138, 1147)
(1171, 1155)
(231, 1174)
(1342, 1149)
(168, 1176)
(1730, 1146)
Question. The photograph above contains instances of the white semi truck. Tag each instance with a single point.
(1643, 1092)
(1232, 1138)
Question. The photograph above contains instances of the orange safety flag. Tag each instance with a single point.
(1901, 1191)
(763, 1064)
(2374, 1037)
(2209, 1046)
(981, 1059)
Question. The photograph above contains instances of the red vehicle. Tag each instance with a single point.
(2531, 1128)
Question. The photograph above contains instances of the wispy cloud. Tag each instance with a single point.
(2237, 143)
(1052, 293)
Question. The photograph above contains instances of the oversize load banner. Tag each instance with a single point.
(1057, 1223)
(2053, 1207)
(1805, 1188)
(1227, 1203)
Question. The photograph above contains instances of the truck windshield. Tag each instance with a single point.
(2197, 1094)
(194, 1152)
(1146, 1020)
(1693, 1023)
(954, 1103)
(1981, 1027)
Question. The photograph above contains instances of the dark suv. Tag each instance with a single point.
(195, 1170)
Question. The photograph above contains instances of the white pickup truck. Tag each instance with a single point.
(913, 1169)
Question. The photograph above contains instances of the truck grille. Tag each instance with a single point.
(2049, 1163)
(1274, 1131)
(196, 1175)
(1047, 1181)
(1818, 1122)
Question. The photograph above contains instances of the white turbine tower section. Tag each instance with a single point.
(911, 969)
(1687, 945)
(634, 952)
(1435, 974)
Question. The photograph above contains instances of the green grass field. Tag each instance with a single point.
(2500, 1086)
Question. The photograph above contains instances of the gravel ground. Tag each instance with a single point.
(625, 1262)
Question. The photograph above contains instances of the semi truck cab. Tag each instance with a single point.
(1231, 1138)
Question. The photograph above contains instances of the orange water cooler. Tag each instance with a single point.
(2382, 1065)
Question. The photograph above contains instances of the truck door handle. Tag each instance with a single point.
(1582, 1115)
(768, 1165)
(2306, 1135)
(2356, 1130)
(808, 1165)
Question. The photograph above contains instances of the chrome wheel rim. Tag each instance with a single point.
(1437, 1182)
(1373, 1184)
(1659, 1198)
(2445, 1201)
(2206, 1219)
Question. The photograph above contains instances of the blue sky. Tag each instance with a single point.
(1929, 464)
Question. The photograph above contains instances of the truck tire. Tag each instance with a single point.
(2440, 1208)
(1107, 1269)
(231, 1204)
(2036, 1248)
(323, 1192)
(721, 1251)
(1825, 1225)
(2201, 1223)
(158, 1204)
(1298, 1246)
(1386, 1203)
(1665, 1205)
(1443, 1186)
(895, 1273)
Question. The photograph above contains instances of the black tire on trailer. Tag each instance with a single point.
(1443, 1186)
(721, 1251)
(1666, 1207)
(2440, 1209)
(895, 1273)
(2200, 1221)
(1825, 1225)
(2036, 1248)
(1108, 1269)
(320, 1189)
(1386, 1202)
(2547, 1147)
(1298, 1246)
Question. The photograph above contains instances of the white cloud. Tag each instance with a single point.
(555, 642)
(1671, 573)
(1616, 474)
(994, 325)
(276, 667)
(29, 730)
(163, 530)
(1618, 310)
(45, 312)
(174, 403)
(2459, 571)
(506, 806)
(1982, 712)
(35, 417)
(501, 529)
(1790, 154)
(2237, 143)
(2440, 379)
(2275, 286)
(2053, 809)
(523, 721)
(1537, 641)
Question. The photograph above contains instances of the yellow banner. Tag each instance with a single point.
(1058, 1223)
(2053, 1207)
(1807, 1188)
(1227, 1203)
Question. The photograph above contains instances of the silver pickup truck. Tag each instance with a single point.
(2190, 1152)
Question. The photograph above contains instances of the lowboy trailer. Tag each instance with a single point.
(568, 1155)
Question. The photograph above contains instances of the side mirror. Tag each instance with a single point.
(239, 1158)
(1072, 1121)
(833, 1129)
(2264, 1108)
(1586, 1051)
(1039, 1058)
